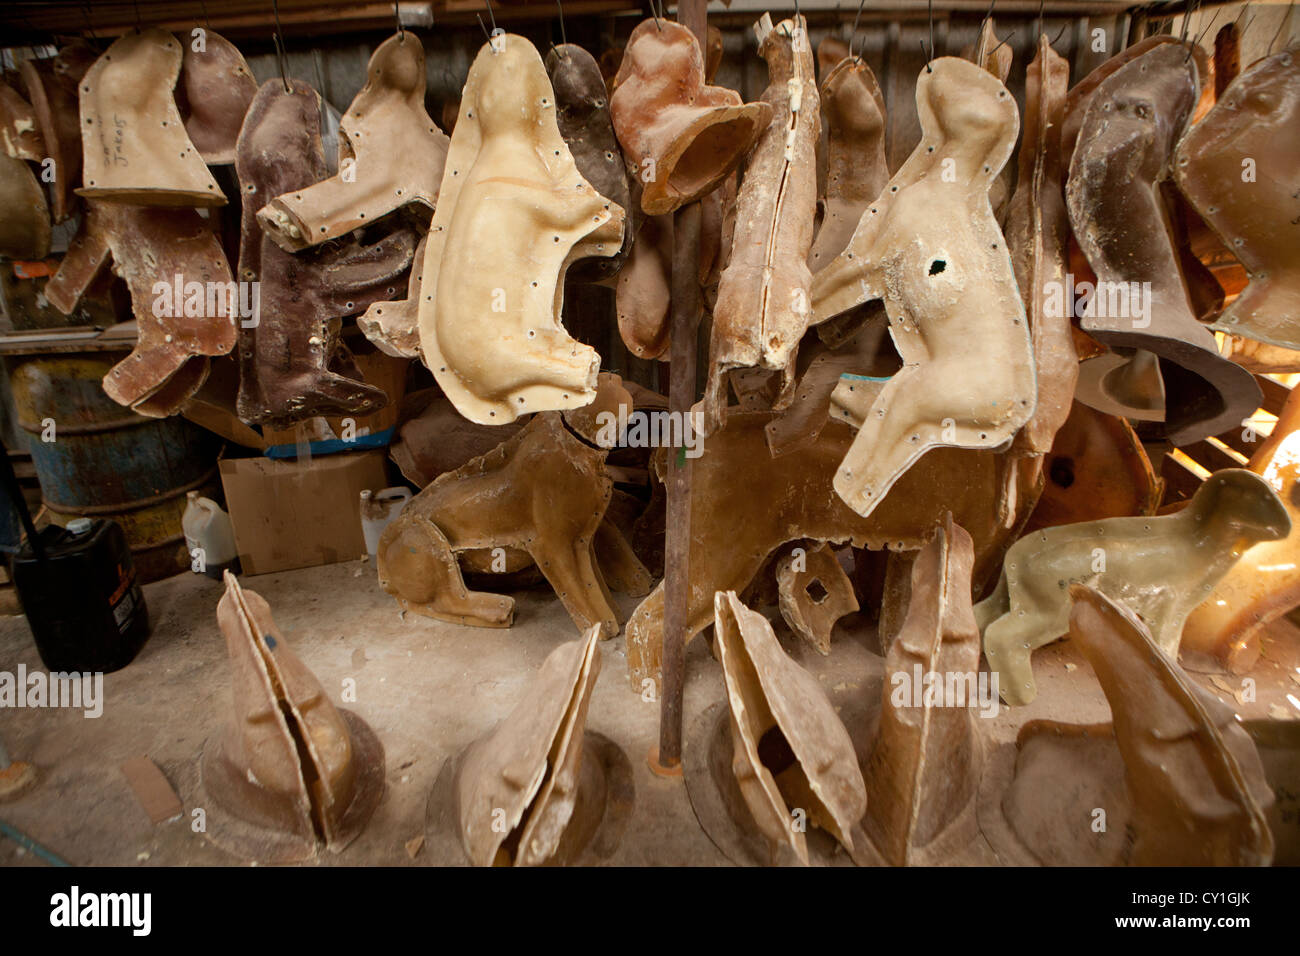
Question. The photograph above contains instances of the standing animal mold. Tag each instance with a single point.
(1237, 167)
(762, 307)
(1120, 219)
(544, 491)
(968, 375)
(285, 356)
(1160, 567)
(1225, 629)
(215, 90)
(790, 750)
(511, 195)
(924, 769)
(134, 145)
(582, 112)
(292, 774)
(390, 155)
(682, 136)
(1192, 790)
(528, 769)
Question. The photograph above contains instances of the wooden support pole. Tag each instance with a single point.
(681, 396)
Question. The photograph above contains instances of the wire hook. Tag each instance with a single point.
(278, 39)
(564, 37)
(853, 35)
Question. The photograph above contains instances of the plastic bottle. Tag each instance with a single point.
(209, 537)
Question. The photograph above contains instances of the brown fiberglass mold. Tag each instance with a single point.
(390, 154)
(814, 592)
(215, 89)
(1160, 567)
(790, 751)
(679, 135)
(134, 145)
(511, 195)
(25, 228)
(929, 267)
(763, 306)
(643, 290)
(52, 86)
(1237, 167)
(292, 774)
(1178, 778)
(285, 357)
(924, 770)
(1121, 221)
(20, 136)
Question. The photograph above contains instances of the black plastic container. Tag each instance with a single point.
(82, 599)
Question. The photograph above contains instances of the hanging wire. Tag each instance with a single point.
(929, 56)
(278, 39)
(491, 15)
(564, 37)
(484, 26)
(1041, 4)
(1007, 37)
(206, 19)
(397, 18)
(854, 34)
(1286, 18)
(139, 27)
(1200, 36)
(655, 14)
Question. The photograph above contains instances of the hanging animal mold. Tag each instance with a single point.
(1160, 567)
(215, 90)
(292, 774)
(134, 145)
(763, 305)
(1237, 167)
(968, 375)
(511, 195)
(390, 155)
(52, 86)
(681, 136)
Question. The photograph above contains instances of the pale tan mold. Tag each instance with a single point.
(1160, 567)
(929, 268)
(1037, 231)
(516, 787)
(20, 135)
(790, 498)
(1260, 357)
(643, 290)
(924, 768)
(1225, 629)
(134, 145)
(25, 228)
(791, 752)
(814, 593)
(762, 308)
(543, 491)
(1231, 167)
(297, 773)
(390, 154)
(1193, 778)
(216, 87)
(853, 116)
(681, 136)
(511, 196)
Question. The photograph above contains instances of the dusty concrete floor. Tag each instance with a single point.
(427, 689)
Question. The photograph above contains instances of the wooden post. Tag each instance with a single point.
(681, 396)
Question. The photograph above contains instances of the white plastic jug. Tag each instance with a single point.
(378, 509)
(209, 536)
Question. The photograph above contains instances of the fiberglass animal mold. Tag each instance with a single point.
(1189, 788)
(762, 308)
(285, 357)
(1122, 224)
(25, 228)
(814, 593)
(390, 154)
(134, 145)
(924, 769)
(52, 86)
(1238, 168)
(790, 750)
(930, 247)
(511, 196)
(1160, 567)
(679, 135)
(292, 774)
(215, 90)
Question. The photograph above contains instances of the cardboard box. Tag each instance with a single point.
(327, 436)
(299, 514)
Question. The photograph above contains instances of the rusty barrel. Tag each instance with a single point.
(105, 461)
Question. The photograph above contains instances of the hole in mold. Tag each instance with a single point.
(816, 591)
(937, 266)
(1061, 471)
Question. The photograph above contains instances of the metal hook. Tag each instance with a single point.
(655, 13)
(206, 19)
(929, 4)
(1041, 4)
(1286, 17)
(491, 15)
(397, 18)
(1004, 40)
(1200, 36)
(564, 37)
(854, 34)
(1059, 33)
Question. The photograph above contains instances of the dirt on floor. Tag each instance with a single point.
(427, 689)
